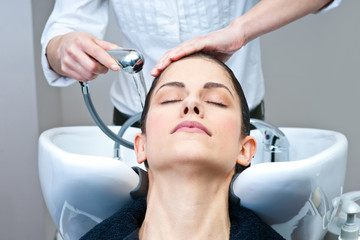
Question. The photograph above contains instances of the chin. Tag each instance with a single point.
(192, 148)
(195, 155)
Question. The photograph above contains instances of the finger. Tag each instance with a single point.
(78, 58)
(106, 45)
(79, 67)
(165, 59)
(91, 65)
(98, 53)
(95, 67)
(161, 65)
(100, 69)
(79, 74)
(75, 75)
(195, 45)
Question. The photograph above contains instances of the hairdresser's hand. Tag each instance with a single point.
(80, 56)
(221, 44)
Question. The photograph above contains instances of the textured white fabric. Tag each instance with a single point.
(153, 27)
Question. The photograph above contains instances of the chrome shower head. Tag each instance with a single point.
(131, 61)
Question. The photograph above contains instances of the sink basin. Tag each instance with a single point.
(82, 184)
(295, 197)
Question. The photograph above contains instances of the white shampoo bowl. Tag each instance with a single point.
(295, 197)
(82, 184)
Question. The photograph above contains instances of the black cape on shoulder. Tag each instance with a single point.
(125, 224)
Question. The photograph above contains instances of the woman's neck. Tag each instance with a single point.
(183, 206)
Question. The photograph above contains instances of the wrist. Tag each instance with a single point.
(240, 28)
(52, 54)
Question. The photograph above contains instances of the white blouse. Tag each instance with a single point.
(153, 27)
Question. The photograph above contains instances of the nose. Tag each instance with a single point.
(192, 106)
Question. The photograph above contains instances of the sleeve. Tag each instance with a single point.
(330, 6)
(67, 16)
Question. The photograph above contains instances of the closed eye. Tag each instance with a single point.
(217, 104)
(171, 101)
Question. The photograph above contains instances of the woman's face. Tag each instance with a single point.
(194, 119)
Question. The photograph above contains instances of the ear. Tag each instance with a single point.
(247, 150)
(139, 147)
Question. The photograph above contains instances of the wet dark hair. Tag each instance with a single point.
(245, 113)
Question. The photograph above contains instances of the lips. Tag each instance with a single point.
(191, 126)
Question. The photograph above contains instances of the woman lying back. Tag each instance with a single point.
(195, 138)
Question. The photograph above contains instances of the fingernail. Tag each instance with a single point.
(115, 68)
(153, 71)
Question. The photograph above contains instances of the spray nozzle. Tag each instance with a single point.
(129, 60)
(132, 61)
(350, 230)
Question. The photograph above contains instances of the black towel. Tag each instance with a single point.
(121, 224)
(246, 225)
(124, 224)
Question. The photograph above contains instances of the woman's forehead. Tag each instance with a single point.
(199, 69)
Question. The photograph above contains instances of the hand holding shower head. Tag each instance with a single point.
(131, 61)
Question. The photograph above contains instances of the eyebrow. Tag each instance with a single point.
(217, 85)
(207, 85)
(172, 84)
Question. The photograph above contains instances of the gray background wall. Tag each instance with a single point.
(311, 68)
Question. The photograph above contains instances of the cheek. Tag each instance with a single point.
(153, 123)
(229, 131)
(156, 126)
(229, 125)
